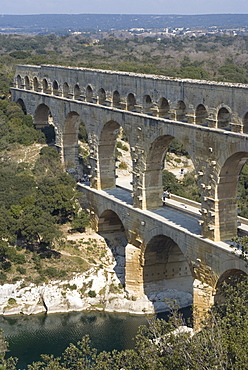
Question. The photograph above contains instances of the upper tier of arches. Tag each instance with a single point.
(163, 105)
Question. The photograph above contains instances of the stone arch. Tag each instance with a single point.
(27, 83)
(181, 111)
(165, 267)
(36, 84)
(45, 88)
(19, 82)
(227, 278)
(153, 172)
(101, 96)
(66, 90)
(131, 102)
(227, 194)
(112, 229)
(223, 118)
(245, 123)
(43, 121)
(70, 140)
(116, 99)
(22, 104)
(55, 88)
(89, 94)
(147, 104)
(106, 154)
(163, 108)
(201, 115)
(77, 92)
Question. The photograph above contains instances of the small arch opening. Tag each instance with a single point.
(19, 82)
(89, 94)
(55, 88)
(163, 108)
(36, 84)
(201, 115)
(66, 90)
(131, 102)
(223, 118)
(101, 96)
(45, 88)
(43, 121)
(245, 124)
(77, 92)
(116, 99)
(27, 83)
(181, 111)
(147, 104)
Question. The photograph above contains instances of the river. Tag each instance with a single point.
(30, 336)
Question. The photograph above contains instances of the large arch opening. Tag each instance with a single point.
(70, 143)
(113, 231)
(169, 168)
(181, 111)
(201, 115)
(23, 106)
(229, 277)
(227, 194)
(43, 121)
(106, 154)
(223, 118)
(163, 108)
(245, 124)
(166, 273)
(131, 102)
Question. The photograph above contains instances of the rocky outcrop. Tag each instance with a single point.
(97, 289)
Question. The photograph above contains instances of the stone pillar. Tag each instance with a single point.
(134, 272)
(203, 299)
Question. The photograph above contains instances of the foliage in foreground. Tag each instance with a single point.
(222, 344)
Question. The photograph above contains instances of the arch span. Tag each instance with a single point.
(43, 120)
(113, 231)
(23, 106)
(165, 267)
(226, 211)
(70, 140)
(223, 118)
(106, 154)
(201, 115)
(231, 276)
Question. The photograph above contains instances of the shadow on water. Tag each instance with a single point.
(31, 336)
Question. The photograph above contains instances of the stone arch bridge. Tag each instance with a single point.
(211, 121)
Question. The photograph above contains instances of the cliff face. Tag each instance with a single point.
(94, 290)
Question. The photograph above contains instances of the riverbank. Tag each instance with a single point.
(99, 288)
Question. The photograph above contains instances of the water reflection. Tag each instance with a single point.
(30, 336)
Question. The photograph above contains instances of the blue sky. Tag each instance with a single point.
(123, 6)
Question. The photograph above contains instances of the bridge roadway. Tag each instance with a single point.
(164, 245)
(179, 212)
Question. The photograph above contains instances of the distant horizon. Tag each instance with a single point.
(150, 14)
(127, 7)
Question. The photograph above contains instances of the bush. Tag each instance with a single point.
(91, 293)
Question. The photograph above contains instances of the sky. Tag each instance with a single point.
(123, 6)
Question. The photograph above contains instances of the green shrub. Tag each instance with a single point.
(91, 293)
